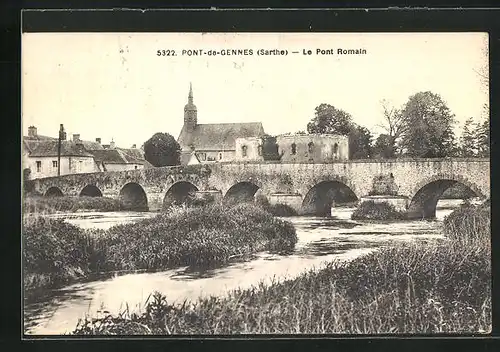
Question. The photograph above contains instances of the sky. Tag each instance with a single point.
(115, 86)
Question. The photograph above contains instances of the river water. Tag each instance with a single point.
(320, 240)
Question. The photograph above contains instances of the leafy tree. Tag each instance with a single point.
(428, 127)
(270, 148)
(360, 140)
(482, 134)
(162, 150)
(384, 146)
(468, 140)
(329, 120)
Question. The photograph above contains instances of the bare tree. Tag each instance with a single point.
(394, 122)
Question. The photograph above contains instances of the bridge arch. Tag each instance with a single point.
(320, 197)
(133, 197)
(426, 194)
(243, 191)
(179, 193)
(53, 192)
(90, 191)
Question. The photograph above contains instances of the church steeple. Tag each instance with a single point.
(190, 112)
(190, 96)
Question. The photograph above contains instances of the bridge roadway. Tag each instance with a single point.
(310, 188)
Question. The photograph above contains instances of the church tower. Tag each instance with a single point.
(190, 112)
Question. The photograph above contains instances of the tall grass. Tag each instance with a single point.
(40, 204)
(434, 287)
(56, 252)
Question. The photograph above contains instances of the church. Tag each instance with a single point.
(213, 142)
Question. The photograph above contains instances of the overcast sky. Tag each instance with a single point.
(113, 85)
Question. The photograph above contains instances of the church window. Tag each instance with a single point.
(294, 148)
(335, 148)
(244, 150)
(38, 166)
(259, 150)
(310, 147)
(220, 156)
(54, 163)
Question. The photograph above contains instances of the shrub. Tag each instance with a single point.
(412, 288)
(369, 210)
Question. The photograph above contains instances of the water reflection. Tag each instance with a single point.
(320, 240)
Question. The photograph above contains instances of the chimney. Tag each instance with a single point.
(112, 145)
(98, 140)
(76, 137)
(134, 146)
(32, 131)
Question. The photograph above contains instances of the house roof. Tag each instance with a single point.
(119, 156)
(50, 148)
(218, 136)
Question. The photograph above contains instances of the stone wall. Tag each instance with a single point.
(313, 148)
(249, 149)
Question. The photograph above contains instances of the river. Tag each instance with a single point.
(320, 240)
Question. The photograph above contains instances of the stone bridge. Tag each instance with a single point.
(308, 188)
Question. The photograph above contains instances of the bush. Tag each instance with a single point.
(369, 210)
(469, 225)
(412, 288)
(33, 204)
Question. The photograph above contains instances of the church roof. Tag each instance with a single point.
(219, 136)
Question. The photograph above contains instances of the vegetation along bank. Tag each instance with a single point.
(430, 287)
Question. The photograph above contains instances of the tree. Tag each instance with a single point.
(394, 126)
(482, 134)
(428, 127)
(162, 150)
(360, 140)
(384, 147)
(328, 119)
(468, 140)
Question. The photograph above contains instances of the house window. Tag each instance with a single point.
(220, 156)
(54, 163)
(38, 166)
(244, 150)
(294, 148)
(310, 147)
(202, 156)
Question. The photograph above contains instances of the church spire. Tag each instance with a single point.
(190, 96)
(190, 113)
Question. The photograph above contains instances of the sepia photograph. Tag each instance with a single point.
(255, 183)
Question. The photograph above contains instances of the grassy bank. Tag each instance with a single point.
(40, 204)
(369, 210)
(56, 252)
(412, 288)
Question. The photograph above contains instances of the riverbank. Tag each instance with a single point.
(40, 204)
(57, 253)
(434, 287)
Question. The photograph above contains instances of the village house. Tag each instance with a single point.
(205, 143)
(40, 156)
(313, 148)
